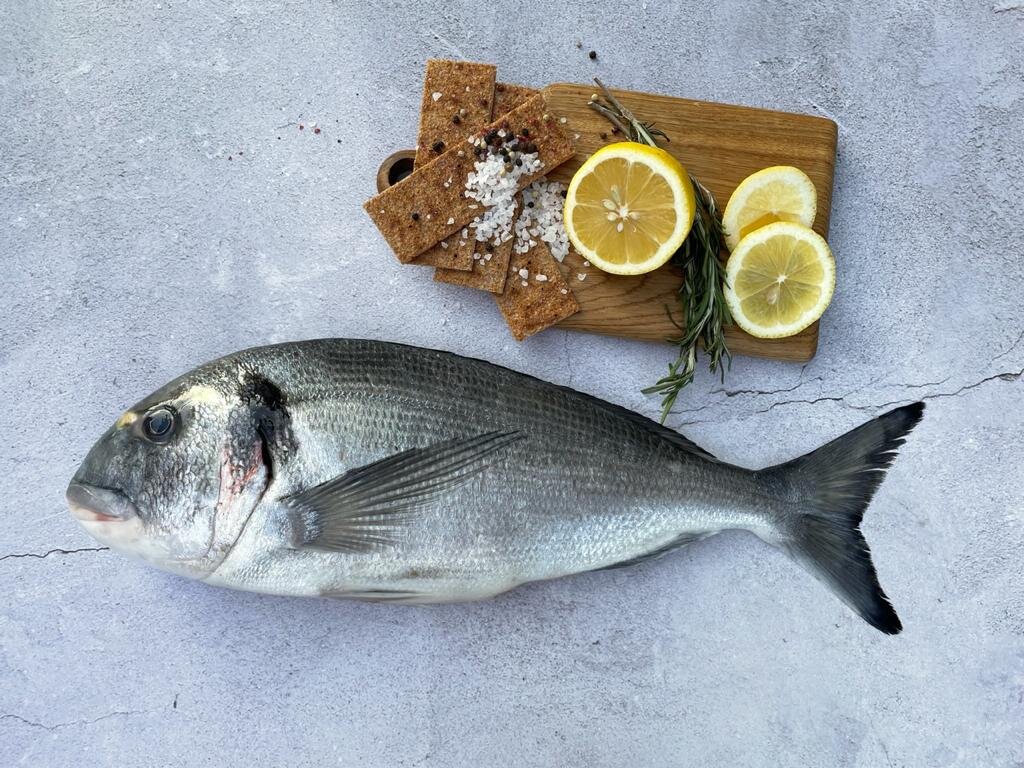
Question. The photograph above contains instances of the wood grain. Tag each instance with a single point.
(720, 144)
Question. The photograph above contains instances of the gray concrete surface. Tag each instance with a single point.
(159, 207)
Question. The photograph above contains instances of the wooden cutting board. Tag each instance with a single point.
(721, 145)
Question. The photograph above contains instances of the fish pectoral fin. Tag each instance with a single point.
(367, 507)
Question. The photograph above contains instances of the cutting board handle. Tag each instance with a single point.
(395, 167)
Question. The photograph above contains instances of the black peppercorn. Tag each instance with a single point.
(415, 216)
(592, 55)
(437, 146)
(456, 119)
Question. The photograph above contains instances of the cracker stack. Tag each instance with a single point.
(429, 218)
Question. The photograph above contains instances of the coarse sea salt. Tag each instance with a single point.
(494, 183)
(541, 219)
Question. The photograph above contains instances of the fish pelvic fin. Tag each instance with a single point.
(832, 487)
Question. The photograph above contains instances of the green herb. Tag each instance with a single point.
(701, 298)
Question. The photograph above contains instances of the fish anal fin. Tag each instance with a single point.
(376, 595)
(679, 541)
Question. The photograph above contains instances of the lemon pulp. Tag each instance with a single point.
(629, 208)
(780, 279)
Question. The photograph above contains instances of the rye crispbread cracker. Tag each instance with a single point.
(508, 96)
(463, 106)
(488, 274)
(429, 205)
(464, 93)
(488, 271)
(530, 308)
(455, 255)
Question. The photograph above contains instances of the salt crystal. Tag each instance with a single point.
(561, 120)
(444, 245)
(563, 291)
(436, 95)
(586, 263)
(476, 257)
(542, 278)
(524, 273)
(580, 276)
(524, 283)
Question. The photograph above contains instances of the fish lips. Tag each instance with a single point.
(93, 503)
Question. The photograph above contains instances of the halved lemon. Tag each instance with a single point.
(779, 280)
(779, 193)
(629, 208)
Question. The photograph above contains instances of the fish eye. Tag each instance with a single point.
(158, 424)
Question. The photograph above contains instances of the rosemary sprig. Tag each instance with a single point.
(701, 298)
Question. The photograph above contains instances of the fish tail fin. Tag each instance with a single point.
(832, 487)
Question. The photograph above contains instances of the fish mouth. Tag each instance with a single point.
(93, 503)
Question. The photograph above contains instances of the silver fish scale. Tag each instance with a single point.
(588, 486)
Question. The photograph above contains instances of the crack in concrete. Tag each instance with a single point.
(70, 723)
(757, 392)
(1004, 376)
(566, 341)
(40, 556)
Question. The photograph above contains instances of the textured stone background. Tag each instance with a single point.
(133, 248)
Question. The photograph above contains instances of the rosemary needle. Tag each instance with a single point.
(704, 312)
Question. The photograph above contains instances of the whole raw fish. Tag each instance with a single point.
(379, 471)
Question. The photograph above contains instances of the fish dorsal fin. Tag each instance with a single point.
(665, 433)
(367, 507)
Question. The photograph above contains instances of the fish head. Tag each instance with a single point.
(174, 480)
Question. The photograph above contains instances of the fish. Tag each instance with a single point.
(385, 472)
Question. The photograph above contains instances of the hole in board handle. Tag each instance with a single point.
(395, 168)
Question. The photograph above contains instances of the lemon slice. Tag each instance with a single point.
(629, 208)
(779, 193)
(779, 280)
